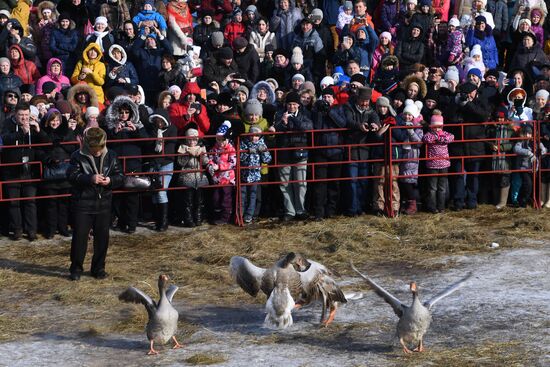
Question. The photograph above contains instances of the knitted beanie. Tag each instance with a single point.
(253, 107)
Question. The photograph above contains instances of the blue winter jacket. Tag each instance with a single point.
(488, 47)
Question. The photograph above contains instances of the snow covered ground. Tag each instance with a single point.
(507, 300)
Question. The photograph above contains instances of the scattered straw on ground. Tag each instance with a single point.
(36, 295)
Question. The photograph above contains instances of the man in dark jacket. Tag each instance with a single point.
(468, 108)
(220, 68)
(362, 120)
(247, 59)
(147, 54)
(294, 118)
(94, 173)
(327, 115)
(312, 48)
(20, 129)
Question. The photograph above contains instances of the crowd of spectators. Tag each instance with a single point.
(193, 76)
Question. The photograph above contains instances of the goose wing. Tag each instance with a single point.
(247, 275)
(134, 295)
(318, 283)
(451, 289)
(172, 289)
(394, 302)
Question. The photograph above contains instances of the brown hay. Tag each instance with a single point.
(206, 359)
(197, 261)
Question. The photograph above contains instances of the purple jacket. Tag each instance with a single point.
(389, 16)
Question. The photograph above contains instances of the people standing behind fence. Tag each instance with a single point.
(528, 157)
(57, 156)
(362, 122)
(221, 167)
(294, 153)
(500, 148)
(94, 174)
(20, 129)
(162, 164)
(409, 169)
(122, 123)
(254, 153)
(192, 161)
(438, 163)
(327, 114)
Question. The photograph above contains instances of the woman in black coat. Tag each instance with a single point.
(123, 123)
(57, 209)
(528, 53)
(410, 50)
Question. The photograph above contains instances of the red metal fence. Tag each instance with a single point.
(312, 146)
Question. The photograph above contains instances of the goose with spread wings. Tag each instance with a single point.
(414, 320)
(303, 279)
(163, 317)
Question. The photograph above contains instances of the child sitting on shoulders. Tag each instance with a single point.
(148, 17)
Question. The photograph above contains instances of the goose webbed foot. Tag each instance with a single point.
(176, 344)
(420, 347)
(330, 317)
(152, 351)
(405, 349)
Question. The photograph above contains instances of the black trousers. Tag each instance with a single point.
(57, 211)
(83, 223)
(326, 194)
(22, 212)
(126, 207)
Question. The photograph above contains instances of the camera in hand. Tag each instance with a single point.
(322, 106)
(196, 106)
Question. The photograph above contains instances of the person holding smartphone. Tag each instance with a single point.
(94, 174)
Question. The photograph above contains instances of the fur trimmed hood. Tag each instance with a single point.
(111, 115)
(124, 56)
(77, 88)
(265, 85)
(423, 89)
(47, 5)
(390, 60)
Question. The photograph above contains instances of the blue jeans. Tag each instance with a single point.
(472, 182)
(248, 200)
(357, 194)
(458, 188)
(161, 197)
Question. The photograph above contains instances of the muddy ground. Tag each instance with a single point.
(501, 317)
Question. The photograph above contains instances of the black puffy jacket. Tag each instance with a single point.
(87, 196)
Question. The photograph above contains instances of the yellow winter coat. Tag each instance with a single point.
(96, 78)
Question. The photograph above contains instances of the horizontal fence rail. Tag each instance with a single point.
(311, 142)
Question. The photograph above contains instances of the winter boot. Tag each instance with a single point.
(199, 208)
(162, 217)
(188, 208)
(503, 197)
(411, 207)
(546, 195)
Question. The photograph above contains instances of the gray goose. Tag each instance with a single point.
(414, 320)
(163, 317)
(292, 277)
